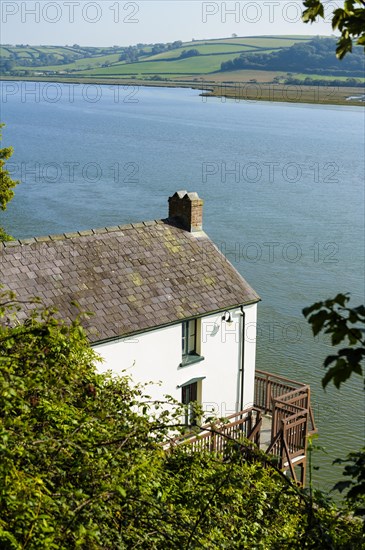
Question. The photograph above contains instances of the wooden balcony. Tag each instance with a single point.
(213, 437)
(287, 404)
(279, 423)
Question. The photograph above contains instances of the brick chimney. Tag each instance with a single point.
(187, 209)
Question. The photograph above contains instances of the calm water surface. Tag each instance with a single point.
(283, 186)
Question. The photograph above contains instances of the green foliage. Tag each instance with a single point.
(355, 469)
(314, 56)
(189, 53)
(64, 478)
(6, 183)
(239, 503)
(4, 237)
(349, 20)
(308, 81)
(162, 59)
(345, 325)
(83, 464)
(6, 65)
(129, 55)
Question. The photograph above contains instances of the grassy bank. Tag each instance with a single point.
(325, 95)
(238, 91)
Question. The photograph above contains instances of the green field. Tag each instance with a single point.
(82, 64)
(258, 41)
(303, 76)
(265, 76)
(88, 61)
(65, 54)
(26, 53)
(204, 49)
(4, 53)
(149, 62)
(191, 65)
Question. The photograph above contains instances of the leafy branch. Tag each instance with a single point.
(349, 20)
(346, 325)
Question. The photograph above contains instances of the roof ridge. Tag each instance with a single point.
(76, 234)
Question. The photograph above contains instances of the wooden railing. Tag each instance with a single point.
(213, 437)
(270, 388)
(292, 419)
(269, 385)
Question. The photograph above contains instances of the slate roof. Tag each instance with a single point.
(133, 277)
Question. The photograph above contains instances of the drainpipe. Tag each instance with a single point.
(242, 369)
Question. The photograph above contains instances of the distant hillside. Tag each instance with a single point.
(175, 58)
(315, 56)
(243, 57)
(27, 58)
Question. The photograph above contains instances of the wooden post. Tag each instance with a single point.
(258, 421)
(268, 394)
(249, 423)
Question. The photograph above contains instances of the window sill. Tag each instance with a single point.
(190, 360)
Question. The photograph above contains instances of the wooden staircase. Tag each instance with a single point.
(289, 404)
(286, 404)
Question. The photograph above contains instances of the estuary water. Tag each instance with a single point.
(283, 186)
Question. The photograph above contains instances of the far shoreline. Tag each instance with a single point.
(238, 91)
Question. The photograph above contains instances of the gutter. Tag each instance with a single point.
(170, 324)
(242, 369)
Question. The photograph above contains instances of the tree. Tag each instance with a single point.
(158, 48)
(316, 55)
(129, 55)
(63, 475)
(346, 326)
(6, 184)
(83, 464)
(6, 65)
(349, 20)
(189, 53)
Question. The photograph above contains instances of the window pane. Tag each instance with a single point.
(193, 391)
(184, 400)
(191, 345)
(189, 395)
(184, 350)
(189, 337)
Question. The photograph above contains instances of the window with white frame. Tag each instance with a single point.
(191, 397)
(189, 337)
(190, 342)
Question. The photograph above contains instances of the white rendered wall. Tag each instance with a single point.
(250, 354)
(156, 356)
(149, 357)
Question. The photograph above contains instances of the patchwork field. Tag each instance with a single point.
(253, 59)
(104, 62)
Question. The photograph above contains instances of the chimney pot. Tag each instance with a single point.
(187, 209)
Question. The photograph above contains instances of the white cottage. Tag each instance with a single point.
(171, 309)
(168, 306)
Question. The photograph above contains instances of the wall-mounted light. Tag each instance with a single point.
(214, 330)
(227, 317)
